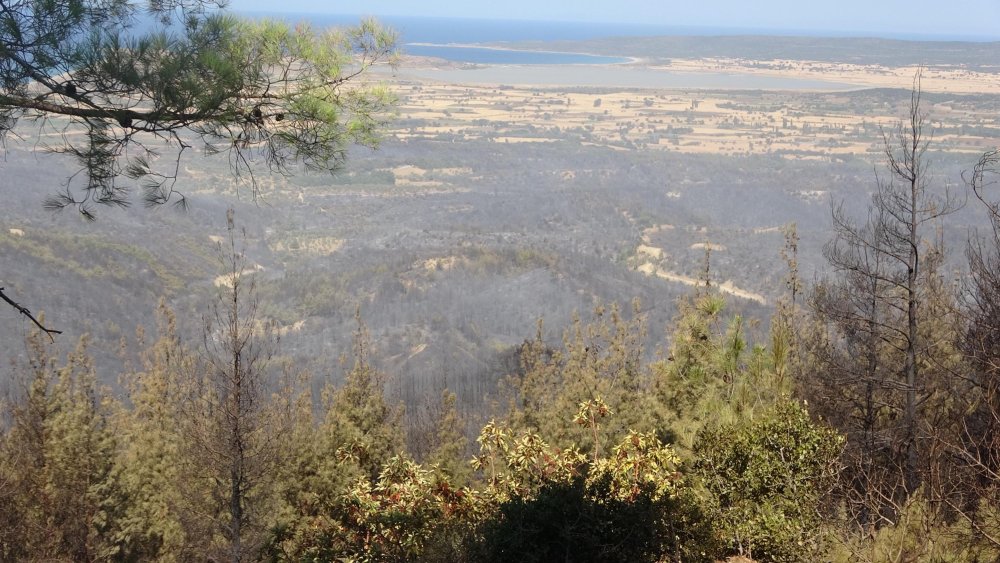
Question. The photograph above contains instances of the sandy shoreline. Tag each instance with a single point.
(514, 50)
(712, 74)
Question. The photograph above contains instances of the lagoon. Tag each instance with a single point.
(499, 56)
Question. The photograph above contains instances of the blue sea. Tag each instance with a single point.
(451, 38)
(445, 31)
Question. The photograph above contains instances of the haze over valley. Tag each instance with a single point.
(712, 283)
(503, 194)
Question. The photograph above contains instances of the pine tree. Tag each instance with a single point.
(448, 451)
(689, 385)
(361, 425)
(154, 457)
(134, 78)
(879, 351)
(132, 85)
(329, 466)
(600, 360)
(231, 426)
(58, 466)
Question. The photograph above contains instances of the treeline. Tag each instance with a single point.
(861, 424)
(218, 450)
(853, 50)
(214, 452)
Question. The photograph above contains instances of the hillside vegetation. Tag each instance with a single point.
(538, 324)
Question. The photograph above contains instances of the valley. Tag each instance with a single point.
(492, 204)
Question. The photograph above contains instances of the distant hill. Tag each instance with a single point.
(856, 50)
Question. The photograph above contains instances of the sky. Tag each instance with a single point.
(956, 18)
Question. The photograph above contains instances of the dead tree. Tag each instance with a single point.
(978, 447)
(884, 267)
(232, 424)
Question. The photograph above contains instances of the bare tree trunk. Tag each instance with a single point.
(235, 415)
(908, 166)
(873, 313)
(239, 440)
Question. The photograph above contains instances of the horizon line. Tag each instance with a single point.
(726, 30)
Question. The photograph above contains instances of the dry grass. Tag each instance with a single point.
(693, 121)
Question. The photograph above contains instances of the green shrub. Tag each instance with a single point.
(765, 479)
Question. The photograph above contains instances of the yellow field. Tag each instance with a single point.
(697, 121)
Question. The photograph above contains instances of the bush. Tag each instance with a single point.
(765, 480)
(555, 505)
(584, 521)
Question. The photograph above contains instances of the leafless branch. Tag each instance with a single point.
(24, 311)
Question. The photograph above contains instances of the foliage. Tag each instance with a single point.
(577, 521)
(766, 479)
(598, 360)
(919, 534)
(409, 513)
(63, 497)
(184, 73)
(515, 465)
(554, 504)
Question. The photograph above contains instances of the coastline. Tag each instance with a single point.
(625, 59)
(720, 73)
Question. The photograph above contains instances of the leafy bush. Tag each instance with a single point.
(765, 480)
(408, 514)
(556, 505)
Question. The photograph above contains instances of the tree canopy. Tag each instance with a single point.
(128, 87)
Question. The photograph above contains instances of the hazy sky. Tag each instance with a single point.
(943, 17)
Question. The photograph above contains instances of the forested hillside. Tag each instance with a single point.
(538, 323)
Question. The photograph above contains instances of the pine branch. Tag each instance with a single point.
(24, 311)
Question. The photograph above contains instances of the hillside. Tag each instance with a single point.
(486, 209)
